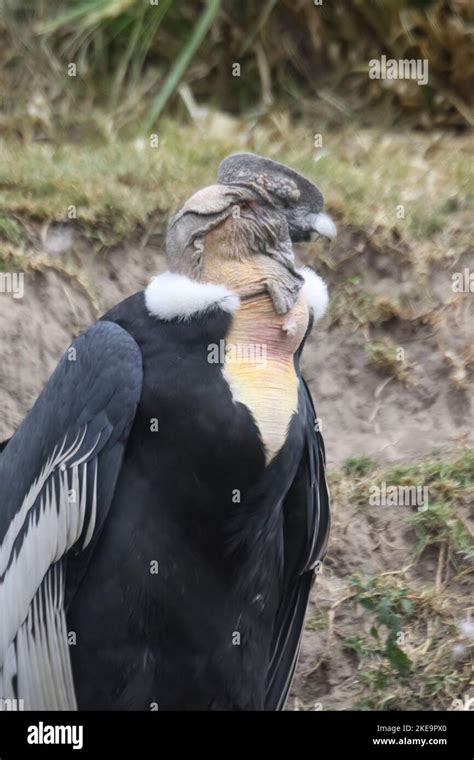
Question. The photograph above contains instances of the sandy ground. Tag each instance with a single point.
(362, 412)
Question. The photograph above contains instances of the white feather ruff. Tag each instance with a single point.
(174, 296)
(315, 292)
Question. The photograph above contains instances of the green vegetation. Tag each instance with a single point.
(132, 55)
(441, 476)
(408, 658)
(117, 185)
(438, 526)
(449, 485)
(387, 604)
(358, 466)
(406, 641)
(11, 230)
(317, 622)
(385, 358)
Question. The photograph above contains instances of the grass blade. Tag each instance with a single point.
(182, 61)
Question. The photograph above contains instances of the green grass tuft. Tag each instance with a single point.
(358, 466)
(11, 230)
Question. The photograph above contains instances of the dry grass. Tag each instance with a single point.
(368, 178)
(26, 259)
(386, 358)
(131, 56)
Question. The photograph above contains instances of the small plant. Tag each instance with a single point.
(317, 622)
(11, 230)
(358, 466)
(387, 604)
(355, 306)
(384, 358)
(438, 525)
(357, 644)
(459, 473)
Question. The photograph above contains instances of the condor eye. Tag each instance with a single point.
(244, 206)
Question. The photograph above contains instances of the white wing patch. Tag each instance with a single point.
(33, 634)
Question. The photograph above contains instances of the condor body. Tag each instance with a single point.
(163, 505)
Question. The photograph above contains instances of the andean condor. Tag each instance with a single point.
(164, 503)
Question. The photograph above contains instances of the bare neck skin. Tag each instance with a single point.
(228, 259)
(261, 343)
(247, 278)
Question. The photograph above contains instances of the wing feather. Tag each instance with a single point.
(307, 522)
(50, 473)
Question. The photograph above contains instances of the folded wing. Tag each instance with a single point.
(306, 531)
(57, 479)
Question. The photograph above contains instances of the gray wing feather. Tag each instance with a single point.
(50, 473)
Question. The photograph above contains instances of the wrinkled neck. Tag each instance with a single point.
(245, 277)
(252, 275)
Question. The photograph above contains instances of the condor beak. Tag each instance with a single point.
(323, 225)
